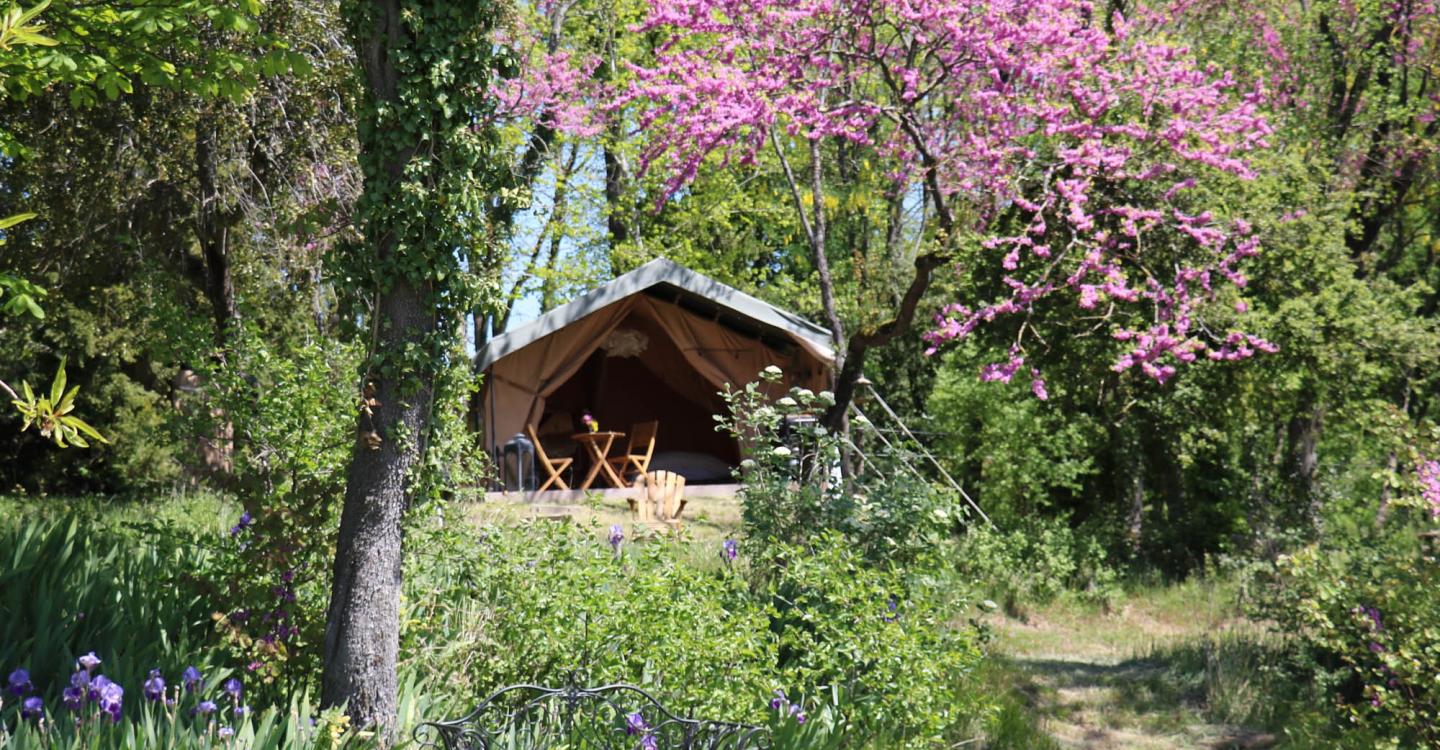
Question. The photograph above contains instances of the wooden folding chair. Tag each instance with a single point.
(639, 447)
(552, 467)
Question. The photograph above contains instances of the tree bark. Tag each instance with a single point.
(212, 229)
(362, 628)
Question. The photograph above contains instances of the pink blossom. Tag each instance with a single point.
(1429, 474)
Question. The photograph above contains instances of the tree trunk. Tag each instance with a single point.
(1303, 460)
(212, 229)
(362, 627)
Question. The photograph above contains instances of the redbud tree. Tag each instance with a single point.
(1075, 155)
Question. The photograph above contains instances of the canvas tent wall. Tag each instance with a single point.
(700, 334)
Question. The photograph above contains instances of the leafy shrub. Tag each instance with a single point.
(871, 647)
(1368, 623)
(863, 652)
(1036, 563)
(792, 489)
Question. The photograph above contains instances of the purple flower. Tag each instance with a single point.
(20, 682)
(154, 688)
(98, 684)
(191, 679)
(1374, 615)
(778, 701)
(112, 696)
(245, 521)
(32, 708)
(730, 549)
(80, 680)
(74, 698)
(893, 607)
(240, 711)
(648, 742)
(226, 733)
(287, 576)
(797, 714)
(635, 724)
(617, 536)
(232, 687)
(89, 661)
(205, 708)
(1376, 648)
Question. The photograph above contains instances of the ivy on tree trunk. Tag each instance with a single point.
(433, 167)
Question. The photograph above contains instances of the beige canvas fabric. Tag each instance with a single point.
(517, 384)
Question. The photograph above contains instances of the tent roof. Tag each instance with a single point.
(673, 283)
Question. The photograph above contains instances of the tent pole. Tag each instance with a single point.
(949, 479)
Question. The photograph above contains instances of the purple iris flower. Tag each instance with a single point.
(80, 680)
(74, 698)
(893, 606)
(1374, 615)
(20, 682)
(635, 724)
(240, 711)
(648, 742)
(730, 549)
(225, 733)
(112, 696)
(32, 708)
(232, 687)
(617, 536)
(154, 688)
(778, 701)
(797, 714)
(245, 521)
(97, 685)
(89, 661)
(1376, 648)
(205, 708)
(191, 679)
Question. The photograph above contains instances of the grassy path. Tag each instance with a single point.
(1169, 669)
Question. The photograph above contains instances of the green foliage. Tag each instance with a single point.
(1036, 562)
(100, 51)
(17, 296)
(77, 583)
(287, 411)
(51, 414)
(153, 727)
(1021, 456)
(1368, 624)
(871, 646)
(792, 490)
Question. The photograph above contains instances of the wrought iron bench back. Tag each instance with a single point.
(609, 717)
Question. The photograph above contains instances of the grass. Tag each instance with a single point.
(1165, 667)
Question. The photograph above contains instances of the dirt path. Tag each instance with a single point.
(1142, 678)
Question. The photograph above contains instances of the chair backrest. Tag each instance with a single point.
(642, 437)
(664, 490)
(539, 449)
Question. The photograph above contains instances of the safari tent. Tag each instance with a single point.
(656, 344)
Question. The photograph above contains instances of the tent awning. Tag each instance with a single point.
(674, 283)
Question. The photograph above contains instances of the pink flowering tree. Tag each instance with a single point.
(1074, 156)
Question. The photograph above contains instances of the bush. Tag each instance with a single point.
(792, 488)
(1037, 562)
(1368, 624)
(863, 652)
